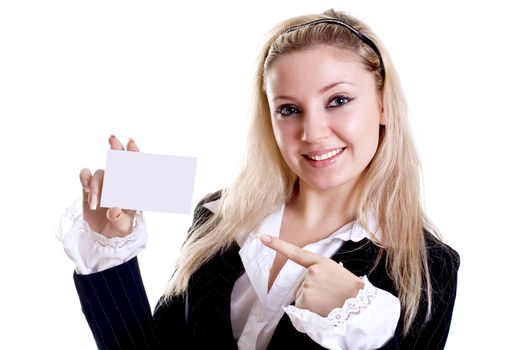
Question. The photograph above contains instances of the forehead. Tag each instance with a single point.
(314, 68)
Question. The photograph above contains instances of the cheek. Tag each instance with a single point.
(362, 136)
(284, 133)
(278, 134)
(369, 138)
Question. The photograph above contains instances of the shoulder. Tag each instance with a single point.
(443, 263)
(204, 203)
(203, 210)
(430, 327)
(440, 253)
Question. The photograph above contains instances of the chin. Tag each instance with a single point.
(328, 184)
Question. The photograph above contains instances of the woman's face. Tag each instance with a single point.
(325, 115)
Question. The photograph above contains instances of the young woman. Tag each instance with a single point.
(320, 242)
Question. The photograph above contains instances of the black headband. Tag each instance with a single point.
(361, 36)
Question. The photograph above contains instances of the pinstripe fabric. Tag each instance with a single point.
(209, 299)
(116, 307)
(117, 310)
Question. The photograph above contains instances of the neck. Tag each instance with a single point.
(337, 205)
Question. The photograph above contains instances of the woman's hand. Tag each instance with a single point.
(326, 285)
(113, 222)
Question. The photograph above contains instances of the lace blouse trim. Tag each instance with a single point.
(72, 218)
(353, 306)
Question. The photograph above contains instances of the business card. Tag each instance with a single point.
(147, 181)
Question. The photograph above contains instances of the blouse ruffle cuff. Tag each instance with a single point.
(353, 306)
(365, 322)
(92, 252)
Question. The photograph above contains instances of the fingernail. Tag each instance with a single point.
(131, 140)
(117, 217)
(265, 238)
(111, 136)
(93, 201)
(85, 185)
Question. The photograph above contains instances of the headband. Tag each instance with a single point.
(361, 36)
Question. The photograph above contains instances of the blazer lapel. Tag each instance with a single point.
(209, 297)
(360, 258)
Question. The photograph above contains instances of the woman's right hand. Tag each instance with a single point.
(113, 222)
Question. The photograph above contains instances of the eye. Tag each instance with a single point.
(286, 110)
(339, 101)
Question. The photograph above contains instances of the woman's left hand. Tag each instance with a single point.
(326, 285)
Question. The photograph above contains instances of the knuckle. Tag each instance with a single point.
(305, 297)
(323, 261)
(313, 279)
(306, 284)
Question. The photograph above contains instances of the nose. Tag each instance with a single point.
(315, 127)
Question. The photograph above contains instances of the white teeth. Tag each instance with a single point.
(326, 155)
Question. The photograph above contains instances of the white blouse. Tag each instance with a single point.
(367, 321)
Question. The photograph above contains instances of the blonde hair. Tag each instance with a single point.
(389, 185)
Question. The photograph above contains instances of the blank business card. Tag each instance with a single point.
(146, 181)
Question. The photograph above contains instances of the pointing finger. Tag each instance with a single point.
(298, 255)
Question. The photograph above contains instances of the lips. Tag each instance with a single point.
(324, 154)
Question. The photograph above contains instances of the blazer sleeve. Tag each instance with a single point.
(432, 333)
(117, 309)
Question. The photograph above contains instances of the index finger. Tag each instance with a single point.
(298, 255)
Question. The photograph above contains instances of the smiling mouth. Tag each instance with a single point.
(324, 156)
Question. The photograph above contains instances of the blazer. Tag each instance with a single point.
(116, 307)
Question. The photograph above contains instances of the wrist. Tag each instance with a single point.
(356, 284)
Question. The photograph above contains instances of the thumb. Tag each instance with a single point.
(119, 224)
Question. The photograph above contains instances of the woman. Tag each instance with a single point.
(321, 241)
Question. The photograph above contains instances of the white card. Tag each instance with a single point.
(146, 181)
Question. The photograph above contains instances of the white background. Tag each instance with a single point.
(176, 76)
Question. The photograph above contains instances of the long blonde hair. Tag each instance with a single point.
(389, 185)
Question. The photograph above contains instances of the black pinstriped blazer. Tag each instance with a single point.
(116, 307)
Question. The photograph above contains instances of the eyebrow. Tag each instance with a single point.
(323, 90)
